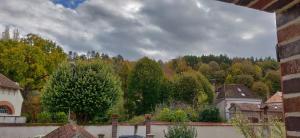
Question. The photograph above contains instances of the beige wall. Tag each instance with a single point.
(203, 131)
(14, 97)
(158, 130)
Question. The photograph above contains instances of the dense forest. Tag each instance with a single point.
(138, 87)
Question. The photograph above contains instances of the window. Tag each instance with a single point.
(4, 110)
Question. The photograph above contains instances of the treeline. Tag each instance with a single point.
(189, 80)
(260, 74)
(42, 68)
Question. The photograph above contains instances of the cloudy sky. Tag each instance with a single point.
(161, 29)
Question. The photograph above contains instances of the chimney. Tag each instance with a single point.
(114, 123)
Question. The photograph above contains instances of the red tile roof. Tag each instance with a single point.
(276, 98)
(69, 131)
(7, 83)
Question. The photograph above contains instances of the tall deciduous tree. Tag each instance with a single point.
(272, 79)
(268, 64)
(261, 89)
(123, 69)
(205, 70)
(179, 65)
(246, 80)
(193, 88)
(144, 86)
(214, 66)
(30, 61)
(88, 88)
(192, 61)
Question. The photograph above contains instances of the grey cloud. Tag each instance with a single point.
(161, 29)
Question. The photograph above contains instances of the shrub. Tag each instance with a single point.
(181, 131)
(28, 117)
(192, 114)
(171, 115)
(247, 129)
(179, 116)
(164, 114)
(44, 117)
(60, 117)
(99, 119)
(137, 120)
(210, 114)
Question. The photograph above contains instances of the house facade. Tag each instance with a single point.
(252, 112)
(10, 98)
(230, 94)
(255, 113)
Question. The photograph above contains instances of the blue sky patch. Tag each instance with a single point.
(72, 4)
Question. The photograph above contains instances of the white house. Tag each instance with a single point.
(10, 101)
(234, 94)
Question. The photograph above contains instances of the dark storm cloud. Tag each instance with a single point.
(161, 29)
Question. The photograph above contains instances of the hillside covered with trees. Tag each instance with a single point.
(72, 82)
